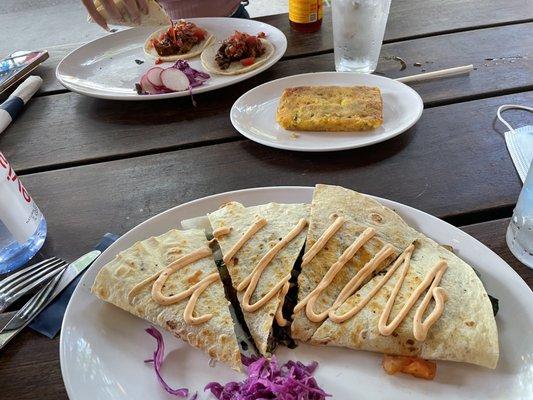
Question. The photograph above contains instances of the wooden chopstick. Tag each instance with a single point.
(465, 69)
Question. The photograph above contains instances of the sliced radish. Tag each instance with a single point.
(147, 86)
(174, 79)
(154, 76)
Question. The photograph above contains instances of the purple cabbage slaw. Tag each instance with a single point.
(267, 380)
(157, 361)
(196, 78)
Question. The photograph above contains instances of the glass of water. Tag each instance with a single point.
(358, 29)
(520, 230)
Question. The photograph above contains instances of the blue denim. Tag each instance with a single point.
(241, 13)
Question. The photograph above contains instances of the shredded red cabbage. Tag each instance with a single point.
(267, 380)
(196, 78)
(158, 361)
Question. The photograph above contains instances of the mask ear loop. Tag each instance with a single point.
(508, 107)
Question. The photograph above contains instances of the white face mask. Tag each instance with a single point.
(519, 142)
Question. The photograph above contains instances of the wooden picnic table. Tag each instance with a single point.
(97, 166)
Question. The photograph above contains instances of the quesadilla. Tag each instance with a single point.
(351, 237)
(180, 41)
(237, 54)
(156, 15)
(172, 281)
(456, 325)
(260, 246)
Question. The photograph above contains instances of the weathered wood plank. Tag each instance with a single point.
(69, 128)
(64, 21)
(451, 163)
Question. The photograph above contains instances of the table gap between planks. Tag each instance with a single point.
(96, 166)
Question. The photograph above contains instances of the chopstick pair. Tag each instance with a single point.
(465, 69)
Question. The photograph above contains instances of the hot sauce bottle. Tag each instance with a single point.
(305, 15)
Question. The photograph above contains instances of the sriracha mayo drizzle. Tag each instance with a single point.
(431, 280)
(222, 231)
(347, 255)
(249, 284)
(193, 292)
(322, 240)
(252, 230)
(371, 266)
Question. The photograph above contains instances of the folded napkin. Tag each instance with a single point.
(49, 321)
(519, 141)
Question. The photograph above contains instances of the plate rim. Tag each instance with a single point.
(513, 277)
(282, 146)
(203, 89)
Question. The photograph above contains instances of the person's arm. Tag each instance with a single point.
(132, 7)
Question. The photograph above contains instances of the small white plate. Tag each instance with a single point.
(102, 347)
(254, 113)
(106, 67)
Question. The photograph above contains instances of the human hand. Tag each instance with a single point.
(131, 9)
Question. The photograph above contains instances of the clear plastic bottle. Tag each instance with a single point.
(22, 225)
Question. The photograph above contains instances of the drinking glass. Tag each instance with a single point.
(520, 230)
(358, 29)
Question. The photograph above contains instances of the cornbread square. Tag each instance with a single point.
(330, 108)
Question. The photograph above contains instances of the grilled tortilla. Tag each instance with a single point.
(360, 212)
(113, 283)
(281, 219)
(156, 15)
(235, 68)
(465, 332)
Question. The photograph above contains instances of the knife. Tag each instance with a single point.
(42, 298)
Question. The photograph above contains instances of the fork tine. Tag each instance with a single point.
(23, 273)
(34, 274)
(35, 280)
(41, 297)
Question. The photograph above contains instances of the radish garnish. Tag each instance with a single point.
(154, 76)
(175, 80)
(147, 86)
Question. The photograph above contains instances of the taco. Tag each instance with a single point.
(237, 54)
(179, 41)
(172, 281)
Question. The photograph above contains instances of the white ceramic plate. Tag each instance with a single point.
(102, 347)
(106, 67)
(254, 113)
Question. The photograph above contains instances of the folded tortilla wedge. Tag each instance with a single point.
(156, 15)
(466, 331)
(281, 219)
(360, 213)
(115, 281)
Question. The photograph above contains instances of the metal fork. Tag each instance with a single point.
(33, 306)
(18, 284)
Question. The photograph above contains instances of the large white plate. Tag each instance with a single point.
(106, 67)
(254, 113)
(103, 348)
